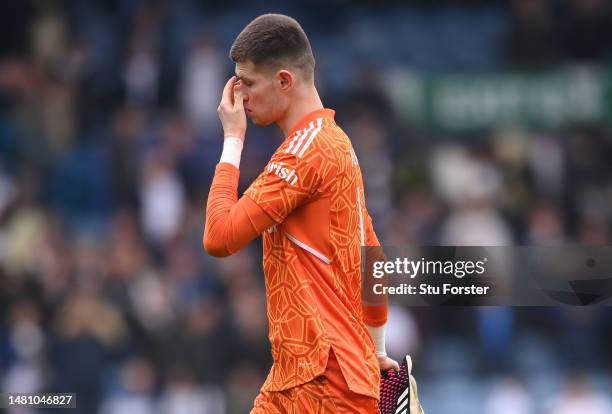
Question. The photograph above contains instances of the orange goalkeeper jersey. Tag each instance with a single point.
(310, 199)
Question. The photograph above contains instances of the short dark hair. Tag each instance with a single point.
(271, 40)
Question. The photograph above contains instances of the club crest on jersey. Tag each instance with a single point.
(283, 173)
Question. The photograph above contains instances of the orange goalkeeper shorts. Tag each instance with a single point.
(327, 394)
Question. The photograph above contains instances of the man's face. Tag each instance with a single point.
(263, 100)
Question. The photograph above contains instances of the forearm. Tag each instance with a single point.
(230, 223)
(375, 307)
(378, 336)
(222, 196)
(375, 315)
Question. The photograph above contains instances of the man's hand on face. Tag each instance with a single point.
(231, 110)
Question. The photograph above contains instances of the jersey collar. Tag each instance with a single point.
(319, 113)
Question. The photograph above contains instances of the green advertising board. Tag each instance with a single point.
(465, 102)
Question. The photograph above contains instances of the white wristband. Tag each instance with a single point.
(378, 335)
(232, 151)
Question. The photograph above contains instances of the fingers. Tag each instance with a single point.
(387, 363)
(238, 99)
(227, 97)
(391, 364)
(231, 110)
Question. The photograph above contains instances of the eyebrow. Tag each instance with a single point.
(243, 78)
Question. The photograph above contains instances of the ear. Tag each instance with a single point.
(285, 79)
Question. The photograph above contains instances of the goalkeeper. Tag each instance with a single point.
(309, 204)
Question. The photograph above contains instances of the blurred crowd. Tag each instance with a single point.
(108, 141)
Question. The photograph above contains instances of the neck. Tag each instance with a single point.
(305, 103)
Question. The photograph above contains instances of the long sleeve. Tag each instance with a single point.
(375, 307)
(231, 223)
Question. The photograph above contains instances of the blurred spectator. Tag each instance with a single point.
(586, 30)
(24, 225)
(403, 336)
(545, 226)
(141, 73)
(509, 396)
(242, 387)
(162, 196)
(472, 186)
(196, 341)
(135, 392)
(369, 136)
(25, 343)
(546, 161)
(184, 395)
(415, 221)
(251, 327)
(127, 126)
(7, 188)
(88, 331)
(17, 19)
(142, 66)
(496, 329)
(203, 74)
(580, 397)
(531, 39)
